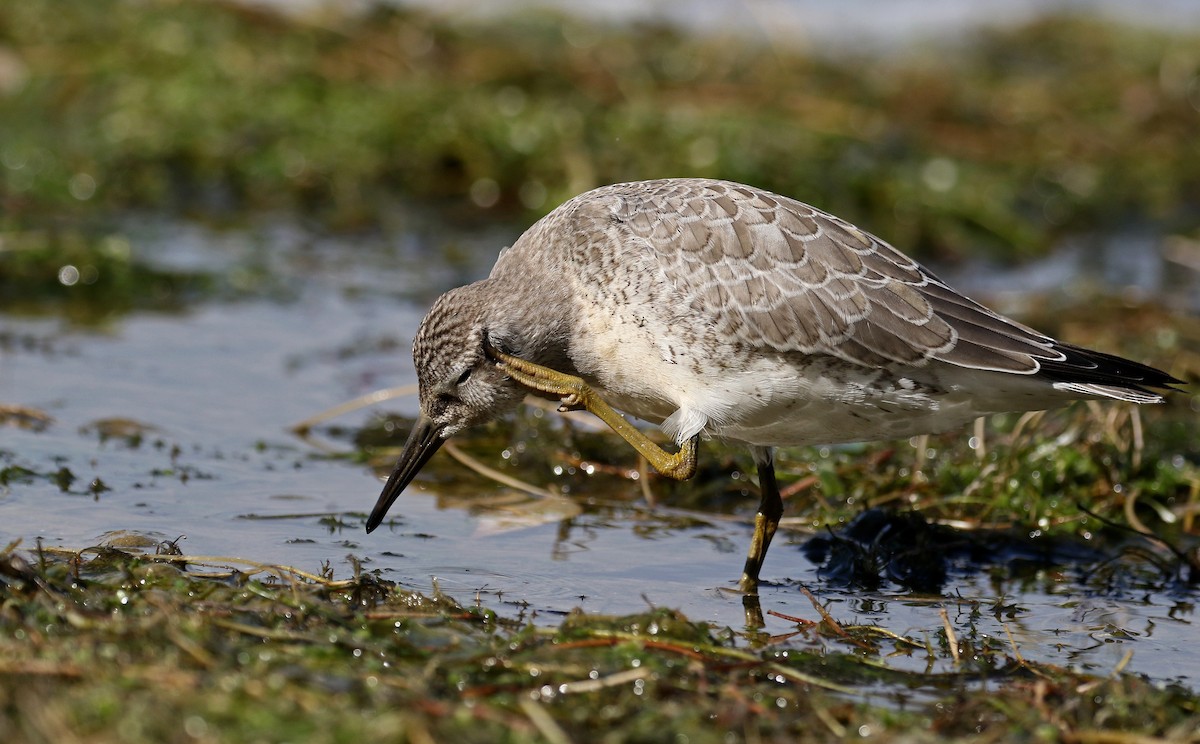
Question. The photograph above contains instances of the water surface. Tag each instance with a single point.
(197, 405)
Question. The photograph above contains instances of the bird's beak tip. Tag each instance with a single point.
(424, 440)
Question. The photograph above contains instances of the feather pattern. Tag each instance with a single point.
(770, 272)
(720, 309)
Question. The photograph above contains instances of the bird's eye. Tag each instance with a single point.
(466, 375)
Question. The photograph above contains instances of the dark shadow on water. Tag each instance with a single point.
(904, 548)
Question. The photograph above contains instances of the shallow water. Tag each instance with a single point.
(214, 388)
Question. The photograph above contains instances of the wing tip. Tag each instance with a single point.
(1098, 374)
(1133, 394)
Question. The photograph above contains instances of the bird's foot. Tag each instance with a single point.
(571, 403)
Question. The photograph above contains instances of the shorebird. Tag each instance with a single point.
(715, 309)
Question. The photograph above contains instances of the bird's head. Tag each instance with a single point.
(459, 385)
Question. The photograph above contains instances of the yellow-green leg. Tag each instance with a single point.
(770, 511)
(577, 394)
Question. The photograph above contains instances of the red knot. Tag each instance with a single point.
(715, 309)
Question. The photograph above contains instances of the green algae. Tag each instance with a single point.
(111, 645)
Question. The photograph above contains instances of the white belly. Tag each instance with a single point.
(769, 401)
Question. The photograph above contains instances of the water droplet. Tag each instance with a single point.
(68, 275)
(82, 186)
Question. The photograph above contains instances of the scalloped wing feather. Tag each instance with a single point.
(772, 272)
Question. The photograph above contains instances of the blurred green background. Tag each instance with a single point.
(992, 142)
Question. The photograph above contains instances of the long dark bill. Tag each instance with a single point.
(423, 441)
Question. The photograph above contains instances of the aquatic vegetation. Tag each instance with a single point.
(111, 643)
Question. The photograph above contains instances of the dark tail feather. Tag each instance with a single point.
(1107, 375)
